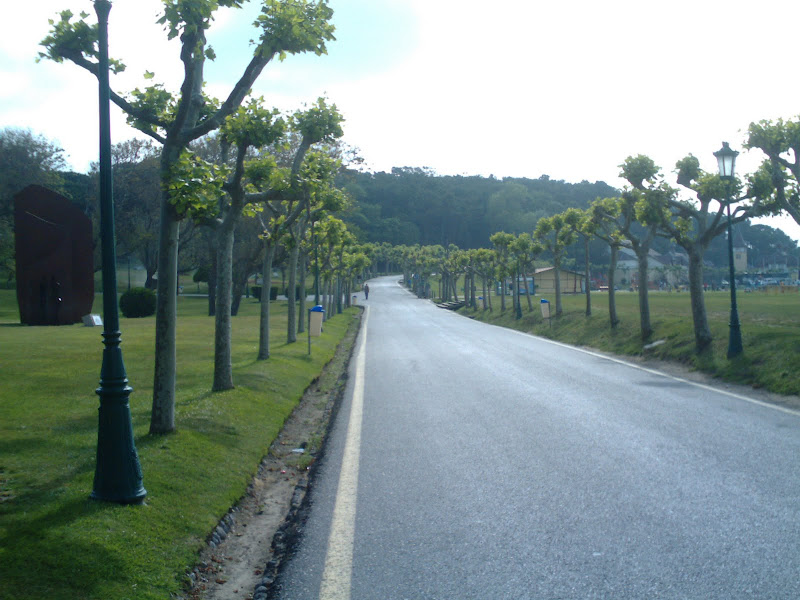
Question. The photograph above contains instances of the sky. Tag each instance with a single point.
(510, 88)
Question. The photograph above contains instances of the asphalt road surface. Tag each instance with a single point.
(470, 461)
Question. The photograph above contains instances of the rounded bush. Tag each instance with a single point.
(256, 291)
(138, 302)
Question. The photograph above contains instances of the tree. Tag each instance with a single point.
(780, 175)
(175, 120)
(641, 213)
(555, 234)
(287, 196)
(251, 126)
(581, 223)
(604, 214)
(693, 224)
(502, 245)
(525, 251)
(484, 266)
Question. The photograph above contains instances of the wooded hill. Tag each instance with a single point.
(414, 206)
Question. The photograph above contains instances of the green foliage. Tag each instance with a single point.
(201, 274)
(74, 41)
(153, 104)
(253, 125)
(195, 186)
(190, 17)
(639, 169)
(320, 123)
(294, 26)
(409, 206)
(777, 183)
(256, 291)
(138, 302)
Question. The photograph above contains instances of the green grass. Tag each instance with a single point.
(54, 541)
(770, 324)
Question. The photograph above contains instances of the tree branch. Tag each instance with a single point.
(235, 98)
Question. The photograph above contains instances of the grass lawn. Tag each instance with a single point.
(770, 324)
(54, 541)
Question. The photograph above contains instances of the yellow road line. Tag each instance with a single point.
(336, 578)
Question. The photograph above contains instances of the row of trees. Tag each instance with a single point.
(692, 215)
(215, 193)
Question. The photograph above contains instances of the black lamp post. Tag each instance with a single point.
(727, 161)
(118, 475)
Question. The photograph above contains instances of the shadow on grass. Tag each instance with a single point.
(63, 566)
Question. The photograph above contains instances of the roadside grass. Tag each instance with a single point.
(54, 541)
(770, 325)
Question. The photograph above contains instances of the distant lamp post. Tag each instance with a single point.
(118, 475)
(727, 162)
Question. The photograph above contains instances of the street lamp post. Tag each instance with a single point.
(118, 475)
(726, 157)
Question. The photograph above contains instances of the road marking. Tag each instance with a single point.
(703, 386)
(338, 572)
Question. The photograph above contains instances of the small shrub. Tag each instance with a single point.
(297, 291)
(138, 302)
(201, 274)
(256, 291)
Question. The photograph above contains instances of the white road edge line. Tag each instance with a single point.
(338, 572)
(789, 411)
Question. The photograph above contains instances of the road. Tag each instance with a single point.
(470, 461)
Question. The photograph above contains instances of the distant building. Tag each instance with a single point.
(739, 252)
(662, 269)
(571, 282)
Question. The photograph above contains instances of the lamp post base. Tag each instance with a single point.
(118, 474)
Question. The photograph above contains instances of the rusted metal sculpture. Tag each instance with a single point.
(55, 263)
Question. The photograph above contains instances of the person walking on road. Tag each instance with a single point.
(366, 291)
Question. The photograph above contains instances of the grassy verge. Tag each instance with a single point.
(770, 326)
(54, 541)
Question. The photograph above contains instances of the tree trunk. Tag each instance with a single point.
(612, 300)
(301, 322)
(291, 294)
(557, 270)
(223, 370)
(339, 294)
(587, 276)
(329, 297)
(644, 300)
(212, 282)
(162, 417)
(485, 295)
(474, 292)
(527, 290)
(237, 293)
(515, 295)
(266, 290)
(702, 332)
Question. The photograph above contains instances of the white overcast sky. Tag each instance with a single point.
(566, 88)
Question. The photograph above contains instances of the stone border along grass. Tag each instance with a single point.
(287, 534)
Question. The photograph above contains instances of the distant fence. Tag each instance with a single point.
(779, 289)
